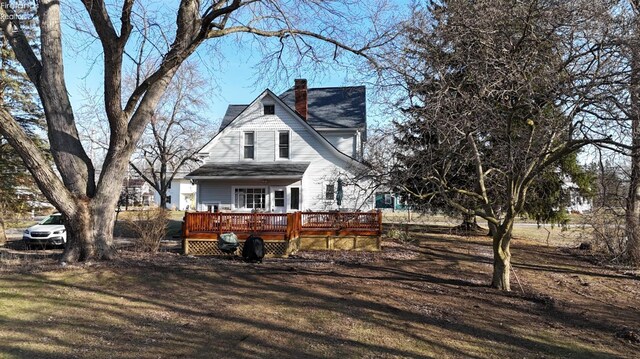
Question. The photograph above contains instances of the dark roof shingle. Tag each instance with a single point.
(330, 107)
(232, 112)
(243, 169)
(333, 107)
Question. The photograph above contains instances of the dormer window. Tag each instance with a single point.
(269, 109)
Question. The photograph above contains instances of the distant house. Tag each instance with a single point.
(181, 194)
(136, 192)
(291, 152)
(389, 200)
(577, 202)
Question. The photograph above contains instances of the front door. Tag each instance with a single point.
(279, 199)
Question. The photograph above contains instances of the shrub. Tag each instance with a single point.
(400, 233)
(609, 235)
(150, 227)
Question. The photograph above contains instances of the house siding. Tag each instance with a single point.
(305, 146)
(345, 142)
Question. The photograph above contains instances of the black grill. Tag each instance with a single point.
(39, 234)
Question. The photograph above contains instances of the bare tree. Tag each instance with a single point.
(87, 201)
(607, 217)
(632, 109)
(499, 93)
(176, 134)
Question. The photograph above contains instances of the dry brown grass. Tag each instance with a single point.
(424, 300)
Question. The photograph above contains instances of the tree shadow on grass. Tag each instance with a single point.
(200, 310)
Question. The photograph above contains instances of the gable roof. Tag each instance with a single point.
(224, 129)
(329, 107)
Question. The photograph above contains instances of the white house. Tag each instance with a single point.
(296, 151)
(181, 193)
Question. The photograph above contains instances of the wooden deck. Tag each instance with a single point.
(283, 232)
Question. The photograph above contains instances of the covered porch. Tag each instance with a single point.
(249, 187)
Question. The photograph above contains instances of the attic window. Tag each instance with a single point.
(269, 109)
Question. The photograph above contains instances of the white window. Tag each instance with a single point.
(250, 198)
(387, 199)
(249, 145)
(213, 207)
(330, 192)
(278, 198)
(283, 144)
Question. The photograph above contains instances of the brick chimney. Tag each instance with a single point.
(300, 90)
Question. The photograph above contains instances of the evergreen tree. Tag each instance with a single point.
(18, 96)
(497, 104)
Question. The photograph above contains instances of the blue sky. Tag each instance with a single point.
(235, 80)
(231, 68)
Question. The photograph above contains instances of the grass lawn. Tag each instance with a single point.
(425, 300)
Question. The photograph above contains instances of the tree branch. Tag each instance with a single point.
(19, 42)
(35, 161)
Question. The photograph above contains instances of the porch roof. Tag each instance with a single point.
(288, 170)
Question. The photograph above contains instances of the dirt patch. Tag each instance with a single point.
(430, 299)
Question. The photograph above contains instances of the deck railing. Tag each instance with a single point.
(289, 224)
(340, 220)
(235, 222)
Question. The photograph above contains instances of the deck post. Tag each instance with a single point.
(185, 232)
(379, 239)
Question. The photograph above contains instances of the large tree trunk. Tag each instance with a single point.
(163, 198)
(632, 224)
(502, 256)
(633, 198)
(90, 232)
(492, 229)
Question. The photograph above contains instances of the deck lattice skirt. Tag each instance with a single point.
(210, 248)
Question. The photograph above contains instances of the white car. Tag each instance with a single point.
(50, 230)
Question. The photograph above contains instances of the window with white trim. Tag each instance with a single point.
(250, 198)
(283, 144)
(330, 192)
(249, 145)
(278, 198)
(295, 198)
